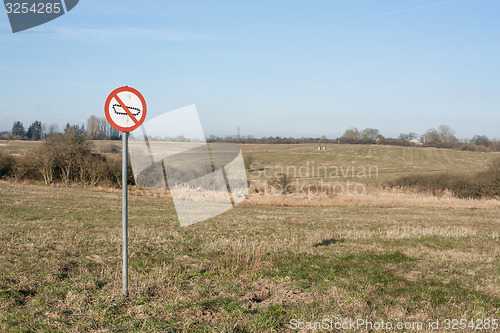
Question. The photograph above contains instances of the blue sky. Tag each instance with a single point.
(280, 68)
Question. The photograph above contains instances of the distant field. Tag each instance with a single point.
(391, 161)
(23, 146)
(252, 269)
(17, 146)
(384, 162)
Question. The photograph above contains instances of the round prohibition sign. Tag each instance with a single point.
(125, 109)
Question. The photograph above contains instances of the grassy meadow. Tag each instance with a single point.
(17, 147)
(390, 161)
(391, 256)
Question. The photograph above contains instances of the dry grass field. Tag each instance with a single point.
(18, 146)
(386, 255)
(390, 161)
(387, 162)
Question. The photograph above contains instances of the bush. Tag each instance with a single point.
(495, 146)
(443, 145)
(25, 169)
(65, 158)
(283, 182)
(396, 142)
(473, 147)
(248, 160)
(484, 184)
(356, 141)
(111, 148)
(92, 169)
(6, 165)
(5, 136)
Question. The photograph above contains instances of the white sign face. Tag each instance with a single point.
(125, 109)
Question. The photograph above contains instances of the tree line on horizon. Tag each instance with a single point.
(70, 158)
(98, 128)
(442, 137)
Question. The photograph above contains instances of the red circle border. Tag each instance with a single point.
(107, 111)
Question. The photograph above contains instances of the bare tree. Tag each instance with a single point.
(92, 127)
(370, 133)
(432, 135)
(351, 134)
(74, 146)
(480, 140)
(100, 129)
(447, 134)
(52, 129)
(403, 136)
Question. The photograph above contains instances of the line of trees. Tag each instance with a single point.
(443, 134)
(34, 132)
(442, 137)
(97, 128)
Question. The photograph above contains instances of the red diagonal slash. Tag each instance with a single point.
(125, 108)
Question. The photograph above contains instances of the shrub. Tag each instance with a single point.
(495, 146)
(92, 169)
(111, 148)
(473, 147)
(283, 182)
(24, 169)
(6, 165)
(5, 135)
(484, 184)
(248, 160)
(443, 145)
(68, 158)
(114, 171)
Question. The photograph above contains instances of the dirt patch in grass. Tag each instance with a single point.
(264, 294)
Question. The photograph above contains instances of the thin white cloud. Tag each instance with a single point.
(414, 8)
(114, 34)
(132, 34)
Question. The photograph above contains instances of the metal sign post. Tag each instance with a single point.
(125, 212)
(125, 110)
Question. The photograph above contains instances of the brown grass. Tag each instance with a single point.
(375, 196)
(252, 269)
(387, 254)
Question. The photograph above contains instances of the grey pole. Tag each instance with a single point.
(124, 213)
